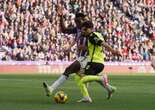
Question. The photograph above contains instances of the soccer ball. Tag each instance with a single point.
(60, 97)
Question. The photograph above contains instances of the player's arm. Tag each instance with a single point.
(64, 29)
(109, 48)
(100, 41)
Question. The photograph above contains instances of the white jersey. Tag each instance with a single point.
(81, 44)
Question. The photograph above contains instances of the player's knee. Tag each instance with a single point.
(77, 77)
(67, 72)
(82, 81)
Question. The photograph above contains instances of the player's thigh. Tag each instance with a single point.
(94, 68)
(73, 68)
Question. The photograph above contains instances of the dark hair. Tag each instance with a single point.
(80, 15)
(88, 24)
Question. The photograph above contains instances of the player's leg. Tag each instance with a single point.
(73, 68)
(83, 88)
(82, 84)
(105, 83)
(101, 80)
(93, 70)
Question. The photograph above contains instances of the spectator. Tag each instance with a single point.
(30, 28)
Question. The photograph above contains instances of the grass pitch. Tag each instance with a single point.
(25, 92)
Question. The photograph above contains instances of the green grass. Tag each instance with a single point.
(24, 92)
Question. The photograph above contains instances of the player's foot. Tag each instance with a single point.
(85, 99)
(110, 92)
(48, 92)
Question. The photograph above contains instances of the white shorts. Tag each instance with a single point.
(83, 61)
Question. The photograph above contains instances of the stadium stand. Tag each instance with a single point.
(29, 29)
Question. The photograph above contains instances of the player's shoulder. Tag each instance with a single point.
(96, 38)
(98, 35)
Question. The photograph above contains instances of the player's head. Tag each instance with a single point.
(80, 18)
(87, 28)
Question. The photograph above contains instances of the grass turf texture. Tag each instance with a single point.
(25, 92)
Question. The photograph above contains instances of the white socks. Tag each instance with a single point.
(58, 82)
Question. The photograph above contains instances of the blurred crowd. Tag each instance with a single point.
(30, 29)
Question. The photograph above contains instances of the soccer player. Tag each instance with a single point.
(81, 44)
(49, 89)
(95, 60)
